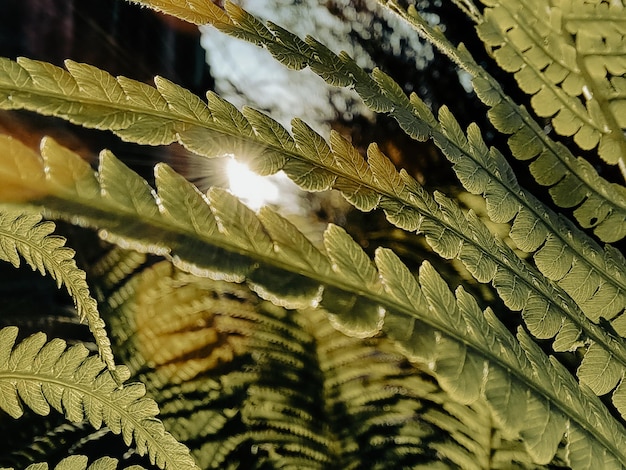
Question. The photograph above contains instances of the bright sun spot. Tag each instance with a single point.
(254, 190)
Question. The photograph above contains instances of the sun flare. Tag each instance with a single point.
(254, 190)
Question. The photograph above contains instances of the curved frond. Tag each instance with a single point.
(569, 58)
(24, 234)
(572, 181)
(45, 375)
(129, 215)
(593, 277)
(225, 240)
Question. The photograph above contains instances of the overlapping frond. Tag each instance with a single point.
(535, 225)
(220, 238)
(569, 57)
(573, 182)
(24, 234)
(46, 375)
(592, 284)
(592, 276)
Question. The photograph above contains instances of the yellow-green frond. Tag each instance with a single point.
(45, 375)
(25, 235)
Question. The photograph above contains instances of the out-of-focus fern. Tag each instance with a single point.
(248, 382)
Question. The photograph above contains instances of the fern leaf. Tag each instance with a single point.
(449, 232)
(466, 379)
(573, 181)
(24, 234)
(566, 67)
(578, 265)
(533, 221)
(46, 375)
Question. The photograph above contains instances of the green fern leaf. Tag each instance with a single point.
(45, 375)
(24, 234)
(572, 180)
(564, 66)
(409, 206)
(509, 404)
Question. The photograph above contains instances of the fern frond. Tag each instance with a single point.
(81, 462)
(24, 234)
(568, 64)
(239, 363)
(185, 219)
(572, 181)
(44, 375)
(225, 240)
(500, 393)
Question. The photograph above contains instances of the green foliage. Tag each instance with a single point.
(304, 394)
(26, 235)
(572, 181)
(272, 383)
(46, 375)
(80, 462)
